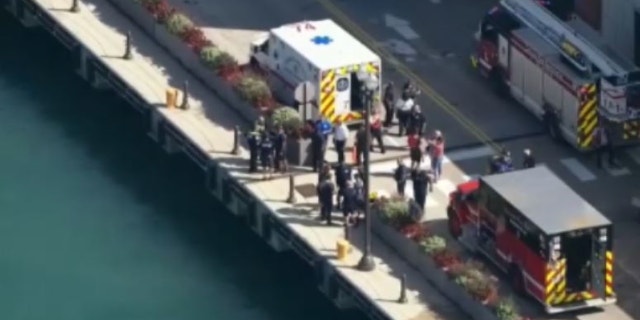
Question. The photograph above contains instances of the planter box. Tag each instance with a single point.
(137, 13)
(299, 152)
(413, 254)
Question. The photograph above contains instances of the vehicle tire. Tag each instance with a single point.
(517, 280)
(453, 223)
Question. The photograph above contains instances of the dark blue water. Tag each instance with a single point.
(97, 223)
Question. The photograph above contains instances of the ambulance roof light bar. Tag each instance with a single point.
(573, 46)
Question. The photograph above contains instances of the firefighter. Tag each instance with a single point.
(400, 175)
(422, 183)
(528, 160)
(360, 144)
(343, 175)
(404, 111)
(349, 203)
(326, 189)
(604, 146)
(388, 100)
(376, 130)
(415, 121)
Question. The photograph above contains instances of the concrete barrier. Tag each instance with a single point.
(413, 254)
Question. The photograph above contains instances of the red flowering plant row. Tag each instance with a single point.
(470, 275)
(251, 86)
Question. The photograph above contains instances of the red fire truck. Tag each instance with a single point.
(560, 71)
(552, 244)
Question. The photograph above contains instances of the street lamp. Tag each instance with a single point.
(369, 86)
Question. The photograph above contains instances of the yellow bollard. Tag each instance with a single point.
(343, 248)
(171, 98)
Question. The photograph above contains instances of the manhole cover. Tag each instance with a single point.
(307, 190)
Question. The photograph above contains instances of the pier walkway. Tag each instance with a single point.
(209, 125)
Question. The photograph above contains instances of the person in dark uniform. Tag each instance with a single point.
(266, 155)
(349, 204)
(388, 101)
(326, 190)
(279, 146)
(416, 121)
(376, 131)
(422, 183)
(528, 160)
(604, 146)
(343, 175)
(400, 175)
(253, 140)
(317, 149)
(408, 91)
(360, 144)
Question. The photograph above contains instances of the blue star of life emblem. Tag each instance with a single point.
(321, 40)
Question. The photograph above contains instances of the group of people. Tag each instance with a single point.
(411, 120)
(267, 148)
(348, 190)
(502, 162)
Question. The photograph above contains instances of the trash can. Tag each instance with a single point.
(171, 98)
(343, 248)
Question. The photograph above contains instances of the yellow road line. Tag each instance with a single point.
(405, 71)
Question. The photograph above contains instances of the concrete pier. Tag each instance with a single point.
(96, 34)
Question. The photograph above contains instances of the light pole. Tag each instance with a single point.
(369, 85)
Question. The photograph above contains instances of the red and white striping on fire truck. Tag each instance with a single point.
(553, 245)
(560, 71)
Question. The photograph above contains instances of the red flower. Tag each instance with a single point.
(416, 231)
(195, 39)
(445, 259)
(160, 10)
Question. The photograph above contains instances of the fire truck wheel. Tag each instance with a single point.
(517, 280)
(454, 223)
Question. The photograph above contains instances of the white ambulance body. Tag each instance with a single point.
(324, 54)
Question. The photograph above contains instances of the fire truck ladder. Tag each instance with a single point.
(579, 51)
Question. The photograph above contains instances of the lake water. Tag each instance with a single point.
(96, 222)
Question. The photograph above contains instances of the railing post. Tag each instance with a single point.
(403, 289)
(185, 96)
(292, 185)
(75, 6)
(236, 141)
(127, 47)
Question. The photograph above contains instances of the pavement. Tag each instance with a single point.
(435, 57)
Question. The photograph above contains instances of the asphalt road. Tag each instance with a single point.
(457, 101)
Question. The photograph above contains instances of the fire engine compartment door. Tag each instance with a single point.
(598, 264)
(620, 97)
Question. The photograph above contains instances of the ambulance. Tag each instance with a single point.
(324, 54)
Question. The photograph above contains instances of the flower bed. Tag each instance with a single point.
(465, 282)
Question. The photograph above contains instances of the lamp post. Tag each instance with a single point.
(369, 85)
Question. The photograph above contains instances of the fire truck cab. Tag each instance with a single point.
(561, 71)
(552, 244)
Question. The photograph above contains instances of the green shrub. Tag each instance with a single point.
(506, 309)
(209, 56)
(178, 23)
(254, 89)
(225, 62)
(395, 212)
(288, 118)
(433, 244)
(477, 283)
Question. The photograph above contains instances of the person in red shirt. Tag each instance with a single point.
(415, 151)
(376, 130)
(436, 154)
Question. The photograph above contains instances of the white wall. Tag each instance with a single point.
(618, 24)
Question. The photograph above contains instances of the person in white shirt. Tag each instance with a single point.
(340, 136)
(404, 110)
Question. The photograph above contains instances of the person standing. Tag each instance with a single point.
(340, 136)
(436, 153)
(415, 150)
(326, 190)
(422, 183)
(317, 149)
(528, 160)
(349, 203)
(404, 111)
(376, 130)
(360, 144)
(253, 140)
(280, 145)
(343, 175)
(388, 101)
(416, 121)
(266, 155)
(604, 146)
(400, 175)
